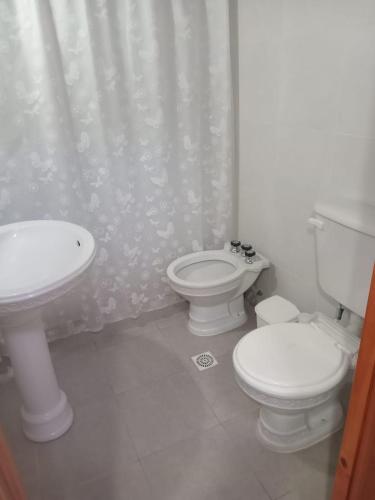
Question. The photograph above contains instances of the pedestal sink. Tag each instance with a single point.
(39, 261)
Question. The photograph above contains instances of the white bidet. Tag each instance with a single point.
(214, 282)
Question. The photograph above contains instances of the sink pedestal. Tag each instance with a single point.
(40, 261)
(46, 412)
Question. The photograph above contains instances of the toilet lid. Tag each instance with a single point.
(290, 360)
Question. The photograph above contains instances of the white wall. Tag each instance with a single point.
(306, 123)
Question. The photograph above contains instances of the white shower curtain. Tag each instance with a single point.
(117, 115)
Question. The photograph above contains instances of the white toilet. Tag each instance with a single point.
(214, 282)
(294, 365)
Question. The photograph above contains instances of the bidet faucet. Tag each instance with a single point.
(250, 256)
(235, 246)
(245, 247)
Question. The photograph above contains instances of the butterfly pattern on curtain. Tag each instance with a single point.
(117, 115)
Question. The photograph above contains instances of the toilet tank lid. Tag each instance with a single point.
(354, 214)
(276, 309)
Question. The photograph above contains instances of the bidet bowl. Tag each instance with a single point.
(213, 281)
(39, 261)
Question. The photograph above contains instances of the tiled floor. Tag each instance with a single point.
(150, 426)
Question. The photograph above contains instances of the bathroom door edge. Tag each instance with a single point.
(10, 483)
(355, 477)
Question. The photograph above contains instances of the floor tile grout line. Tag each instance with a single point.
(146, 474)
(223, 421)
(266, 490)
(193, 434)
(263, 487)
(208, 401)
(250, 467)
(180, 441)
(127, 429)
(283, 495)
(147, 384)
(105, 475)
(122, 344)
(229, 437)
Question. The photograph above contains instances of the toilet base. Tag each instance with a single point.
(291, 431)
(209, 320)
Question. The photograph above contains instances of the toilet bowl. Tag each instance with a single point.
(295, 371)
(214, 282)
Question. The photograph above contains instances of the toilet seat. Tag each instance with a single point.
(291, 360)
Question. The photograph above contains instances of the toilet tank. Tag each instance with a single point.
(345, 243)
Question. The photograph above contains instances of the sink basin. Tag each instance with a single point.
(39, 261)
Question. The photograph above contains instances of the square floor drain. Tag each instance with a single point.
(204, 360)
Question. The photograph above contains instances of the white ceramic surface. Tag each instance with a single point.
(302, 360)
(39, 261)
(214, 282)
(347, 230)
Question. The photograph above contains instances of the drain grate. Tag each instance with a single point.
(204, 360)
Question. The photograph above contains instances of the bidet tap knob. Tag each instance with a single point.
(250, 256)
(235, 244)
(245, 247)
